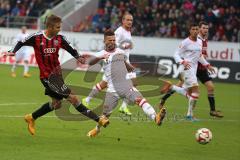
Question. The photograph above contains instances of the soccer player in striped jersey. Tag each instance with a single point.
(202, 74)
(46, 45)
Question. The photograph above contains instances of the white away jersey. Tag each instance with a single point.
(190, 51)
(114, 69)
(123, 36)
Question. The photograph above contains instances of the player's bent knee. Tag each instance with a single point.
(210, 88)
(140, 101)
(56, 105)
(194, 95)
(103, 84)
(73, 99)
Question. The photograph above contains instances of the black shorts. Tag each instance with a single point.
(55, 87)
(203, 75)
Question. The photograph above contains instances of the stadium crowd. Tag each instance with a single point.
(167, 18)
(22, 8)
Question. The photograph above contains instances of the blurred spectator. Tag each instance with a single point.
(22, 8)
(169, 18)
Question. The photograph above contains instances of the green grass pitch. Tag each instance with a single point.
(123, 139)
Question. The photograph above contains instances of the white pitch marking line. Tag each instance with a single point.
(34, 103)
(18, 104)
(134, 119)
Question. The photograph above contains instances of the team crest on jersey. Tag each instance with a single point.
(55, 42)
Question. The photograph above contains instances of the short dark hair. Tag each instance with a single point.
(192, 25)
(52, 20)
(202, 23)
(108, 32)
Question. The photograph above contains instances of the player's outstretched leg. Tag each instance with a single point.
(87, 112)
(95, 131)
(102, 121)
(169, 93)
(167, 86)
(149, 110)
(164, 98)
(95, 90)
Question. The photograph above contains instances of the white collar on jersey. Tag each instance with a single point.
(125, 29)
(199, 36)
(43, 31)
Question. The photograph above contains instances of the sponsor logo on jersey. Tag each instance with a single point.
(55, 42)
(49, 50)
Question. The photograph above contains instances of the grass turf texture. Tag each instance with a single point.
(123, 139)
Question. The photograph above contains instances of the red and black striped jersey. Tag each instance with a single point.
(204, 51)
(47, 51)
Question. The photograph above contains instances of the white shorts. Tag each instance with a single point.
(111, 98)
(190, 78)
(23, 54)
(131, 75)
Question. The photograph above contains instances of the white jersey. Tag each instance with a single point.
(123, 37)
(190, 51)
(114, 69)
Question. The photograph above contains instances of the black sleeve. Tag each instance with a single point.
(68, 47)
(28, 41)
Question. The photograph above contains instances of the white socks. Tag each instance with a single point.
(26, 68)
(95, 90)
(148, 109)
(88, 99)
(179, 90)
(192, 100)
(14, 67)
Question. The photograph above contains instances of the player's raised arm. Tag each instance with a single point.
(94, 60)
(100, 56)
(70, 49)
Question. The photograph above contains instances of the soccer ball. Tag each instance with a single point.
(203, 135)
